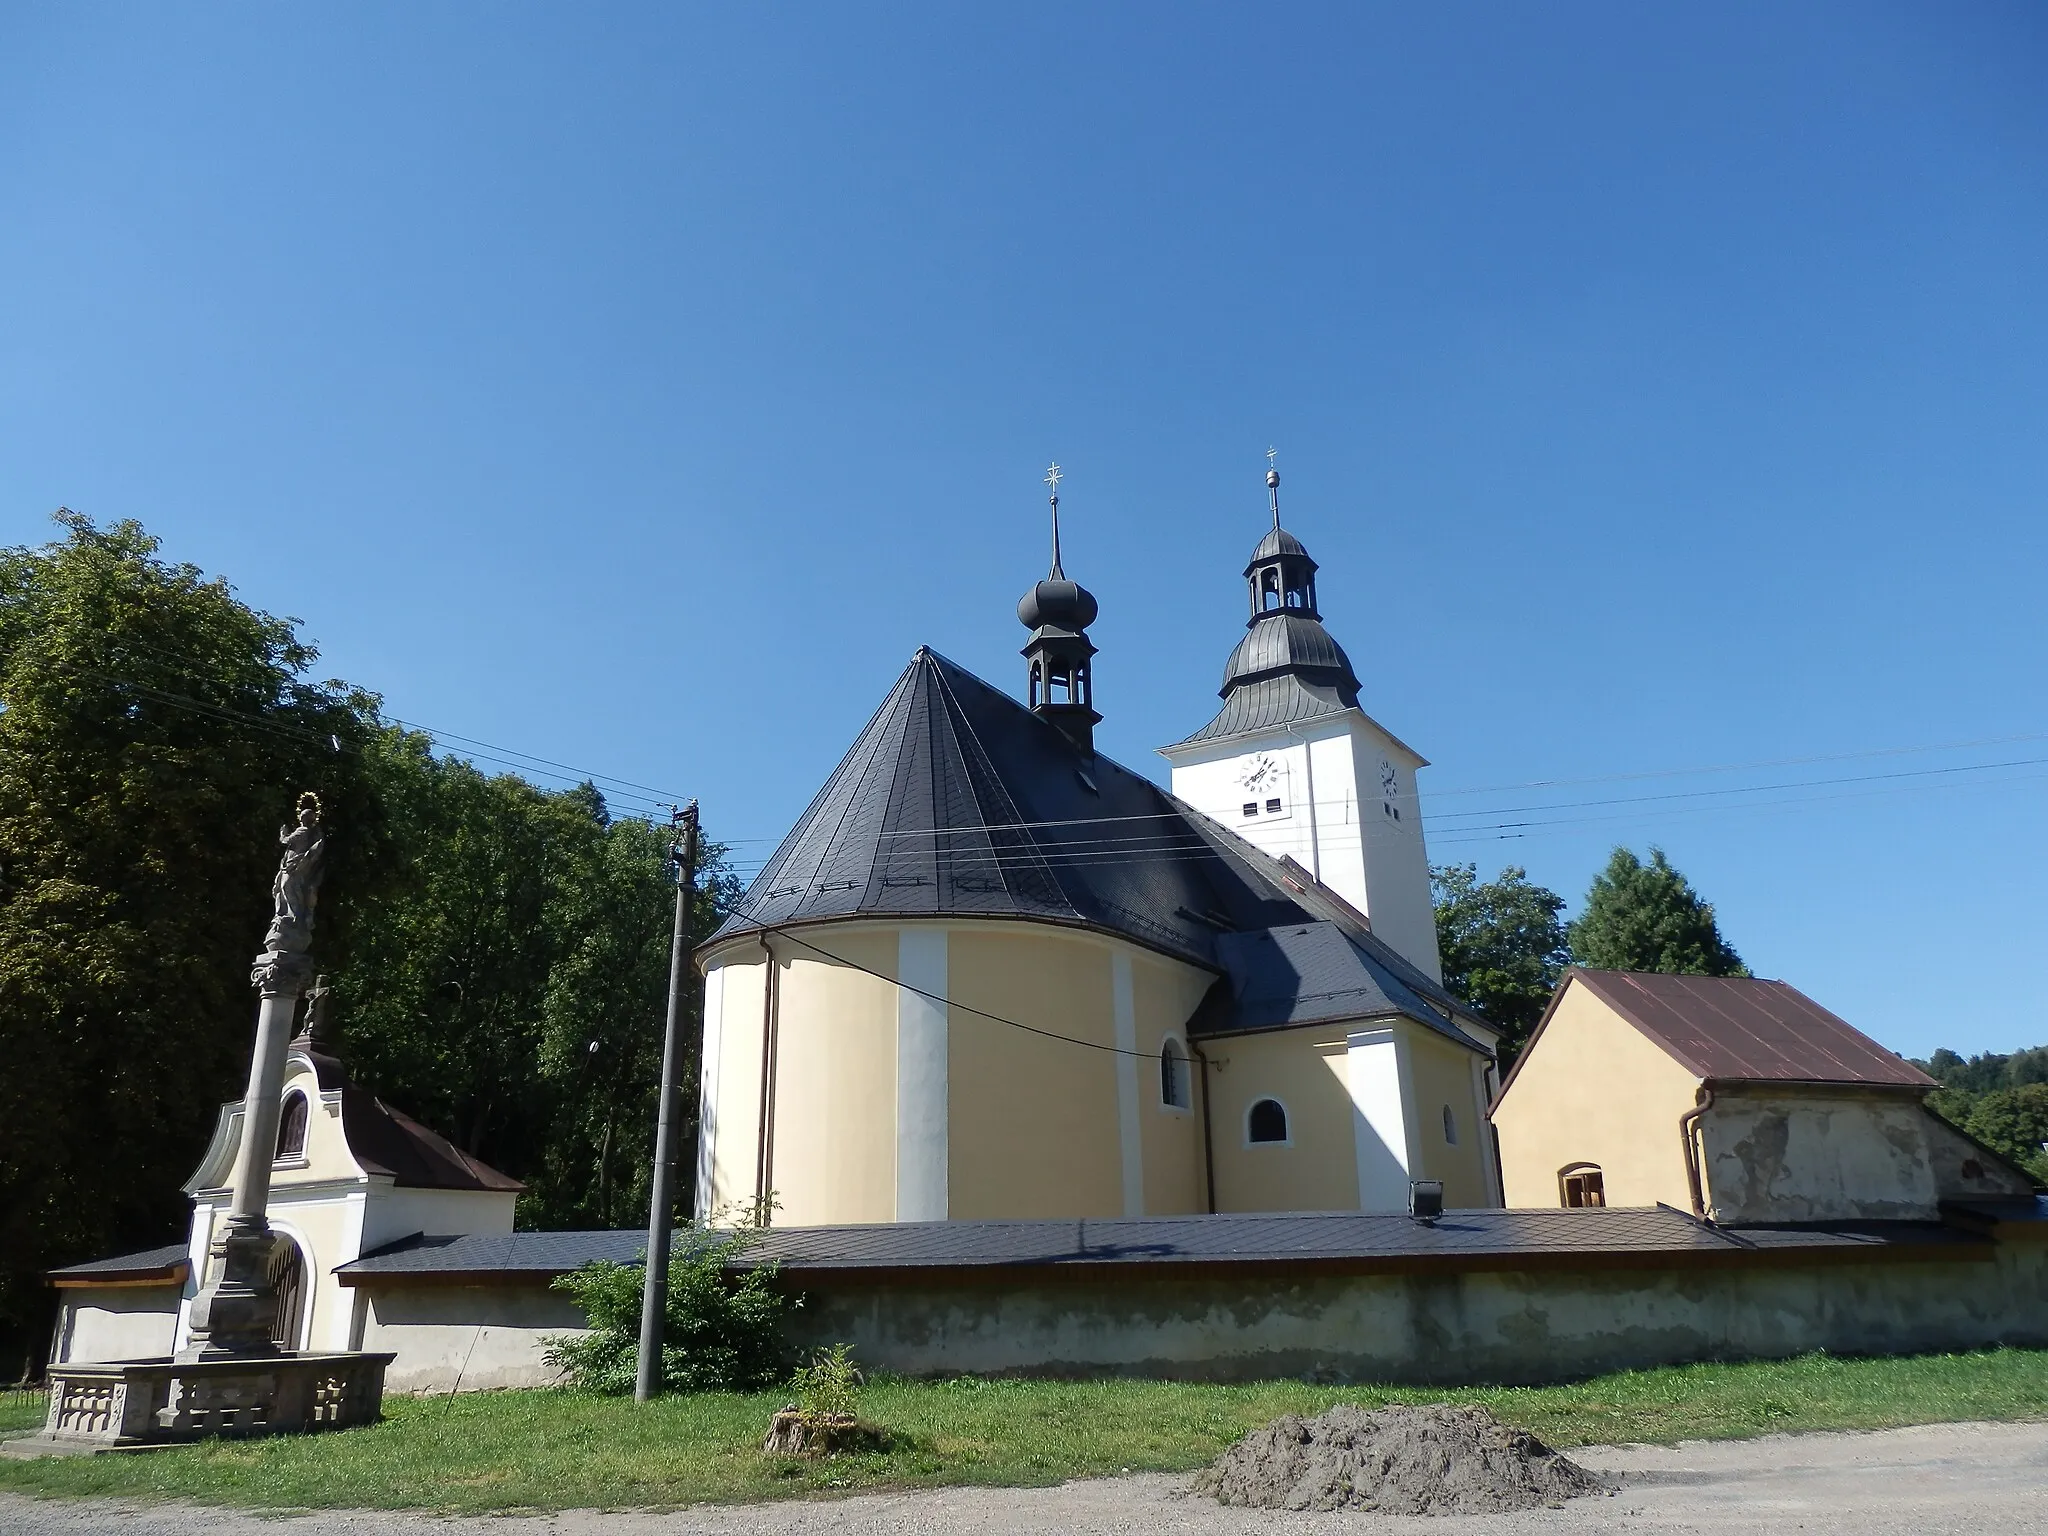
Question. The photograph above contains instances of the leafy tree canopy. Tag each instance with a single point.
(154, 731)
(1502, 944)
(1647, 917)
(498, 953)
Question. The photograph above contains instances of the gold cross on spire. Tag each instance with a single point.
(1053, 478)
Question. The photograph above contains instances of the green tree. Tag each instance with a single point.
(154, 731)
(1502, 944)
(1647, 917)
(511, 986)
(2014, 1121)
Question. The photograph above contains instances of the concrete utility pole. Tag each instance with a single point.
(661, 1212)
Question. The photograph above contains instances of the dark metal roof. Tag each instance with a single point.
(1308, 973)
(1277, 542)
(386, 1141)
(1340, 1239)
(389, 1142)
(1271, 701)
(1286, 668)
(958, 801)
(167, 1263)
(1290, 643)
(1746, 1029)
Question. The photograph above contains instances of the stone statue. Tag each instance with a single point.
(284, 964)
(297, 885)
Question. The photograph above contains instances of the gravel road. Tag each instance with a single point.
(1979, 1479)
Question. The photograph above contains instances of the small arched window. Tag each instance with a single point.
(1450, 1126)
(1581, 1184)
(1269, 591)
(1266, 1123)
(291, 1128)
(1173, 1075)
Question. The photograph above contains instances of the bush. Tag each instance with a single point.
(828, 1388)
(723, 1324)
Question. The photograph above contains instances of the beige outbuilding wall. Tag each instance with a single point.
(1594, 1089)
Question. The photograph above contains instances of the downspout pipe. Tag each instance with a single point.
(1688, 1131)
(1208, 1149)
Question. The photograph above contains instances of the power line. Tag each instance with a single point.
(1779, 762)
(945, 1002)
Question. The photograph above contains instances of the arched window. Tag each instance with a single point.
(1450, 1126)
(1265, 1124)
(1037, 683)
(1269, 591)
(1173, 1075)
(1580, 1184)
(291, 1128)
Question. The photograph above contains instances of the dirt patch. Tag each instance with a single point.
(1435, 1460)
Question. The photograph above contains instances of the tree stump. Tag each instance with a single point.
(795, 1433)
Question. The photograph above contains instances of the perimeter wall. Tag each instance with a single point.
(1441, 1327)
(1507, 1327)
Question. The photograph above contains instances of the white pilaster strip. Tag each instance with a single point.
(1379, 1129)
(1130, 1130)
(708, 1060)
(921, 1106)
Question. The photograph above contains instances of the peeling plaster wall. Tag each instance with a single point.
(1817, 1156)
(1513, 1327)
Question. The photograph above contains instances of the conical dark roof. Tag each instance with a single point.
(958, 801)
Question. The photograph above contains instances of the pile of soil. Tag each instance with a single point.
(797, 1434)
(1434, 1460)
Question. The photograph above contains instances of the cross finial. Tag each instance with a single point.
(1273, 483)
(1053, 478)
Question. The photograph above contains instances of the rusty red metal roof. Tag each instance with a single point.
(1745, 1029)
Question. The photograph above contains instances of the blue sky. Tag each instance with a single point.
(1660, 388)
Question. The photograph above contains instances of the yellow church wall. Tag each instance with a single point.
(834, 1148)
(1165, 993)
(1033, 1127)
(1442, 1075)
(1593, 1089)
(1305, 1069)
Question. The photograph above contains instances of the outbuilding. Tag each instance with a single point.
(1740, 1099)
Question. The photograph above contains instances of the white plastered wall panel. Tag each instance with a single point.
(709, 1057)
(922, 1078)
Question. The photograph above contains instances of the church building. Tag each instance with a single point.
(993, 974)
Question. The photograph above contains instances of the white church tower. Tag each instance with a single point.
(1294, 766)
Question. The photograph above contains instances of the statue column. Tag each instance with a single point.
(235, 1312)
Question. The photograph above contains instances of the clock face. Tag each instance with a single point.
(1390, 781)
(1259, 772)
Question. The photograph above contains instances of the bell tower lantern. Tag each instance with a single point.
(1059, 655)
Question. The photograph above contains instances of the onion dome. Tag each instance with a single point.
(1057, 603)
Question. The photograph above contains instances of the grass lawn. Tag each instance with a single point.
(490, 1451)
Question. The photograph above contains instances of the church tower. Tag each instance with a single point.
(1295, 767)
(1059, 654)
